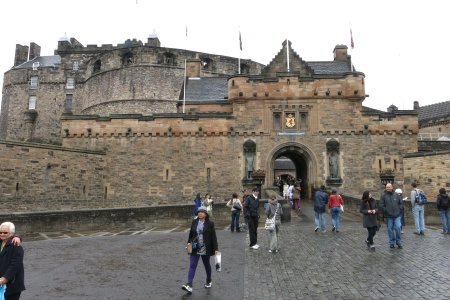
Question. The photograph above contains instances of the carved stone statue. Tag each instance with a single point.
(249, 157)
(334, 165)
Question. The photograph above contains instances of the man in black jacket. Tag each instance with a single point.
(391, 204)
(251, 214)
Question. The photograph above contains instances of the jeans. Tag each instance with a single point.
(394, 231)
(235, 220)
(445, 219)
(336, 217)
(419, 219)
(274, 237)
(319, 219)
(193, 266)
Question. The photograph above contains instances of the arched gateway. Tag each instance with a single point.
(303, 159)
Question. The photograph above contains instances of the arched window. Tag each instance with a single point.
(127, 59)
(97, 66)
(168, 59)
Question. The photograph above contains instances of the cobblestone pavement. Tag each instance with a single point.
(150, 263)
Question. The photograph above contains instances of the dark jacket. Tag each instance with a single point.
(251, 206)
(209, 236)
(391, 204)
(439, 201)
(11, 267)
(320, 201)
(369, 220)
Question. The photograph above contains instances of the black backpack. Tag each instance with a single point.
(444, 202)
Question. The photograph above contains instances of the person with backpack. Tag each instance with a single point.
(443, 203)
(418, 201)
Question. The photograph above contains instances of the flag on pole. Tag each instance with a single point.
(186, 30)
(240, 40)
(351, 39)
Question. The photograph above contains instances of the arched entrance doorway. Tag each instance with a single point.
(299, 162)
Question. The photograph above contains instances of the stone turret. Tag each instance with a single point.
(35, 51)
(21, 54)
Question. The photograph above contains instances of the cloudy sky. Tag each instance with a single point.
(403, 47)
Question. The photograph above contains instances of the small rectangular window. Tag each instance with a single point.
(70, 84)
(33, 82)
(76, 65)
(36, 65)
(68, 103)
(32, 102)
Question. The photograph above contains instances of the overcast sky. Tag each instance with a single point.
(403, 47)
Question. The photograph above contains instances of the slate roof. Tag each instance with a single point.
(206, 88)
(329, 67)
(44, 61)
(434, 111)
(284, 164)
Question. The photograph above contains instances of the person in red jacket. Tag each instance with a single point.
(335, 201)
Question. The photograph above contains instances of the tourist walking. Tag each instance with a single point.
(443, 203)
(320, 203)
(274, 209)
(251, 207)
(369, 210)
(236, 208)
(418, 210)
(198, 201)
(290, 194)
(335, 202)
(391, 205)
(203, 240)
(402, 214)
(209, 204)
(11, 263)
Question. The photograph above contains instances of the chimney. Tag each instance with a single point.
(153, 40)
(35, 51)
(416, 105)
(340, 53)
(193, 67)
(21, 55)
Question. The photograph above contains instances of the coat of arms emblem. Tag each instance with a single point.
(290, 121)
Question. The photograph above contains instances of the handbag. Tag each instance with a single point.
(270, 222)
(189, 248)
(237, 206)
(341, 207)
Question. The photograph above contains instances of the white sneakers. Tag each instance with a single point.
(255, 247)
(187, 288)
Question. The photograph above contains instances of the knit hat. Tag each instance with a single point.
(202, 209)
(398, 191)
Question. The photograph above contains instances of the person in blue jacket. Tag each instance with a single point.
(198, 201)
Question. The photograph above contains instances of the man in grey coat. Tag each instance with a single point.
(391, 204)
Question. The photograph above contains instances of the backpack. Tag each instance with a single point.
(444, 202)
(421, 199)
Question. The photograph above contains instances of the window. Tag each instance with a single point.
(33, 82)
(76, 65)
(97, 66)
(32, 102)
(36, 65)
(70, 84)
(68, 103)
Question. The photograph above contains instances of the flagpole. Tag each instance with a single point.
(239, 57)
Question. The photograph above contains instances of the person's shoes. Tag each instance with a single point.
(402, 231)
(399, 246)
(367, 243)
(317, 228)
(392, 246)
(270, 251)
(415, 232)
(422, 233)
(372, 247)
(337, 230)
(276, 251)
(333, 229)
(238, 230)
(208, 285)
(187, 287)
(255, 246)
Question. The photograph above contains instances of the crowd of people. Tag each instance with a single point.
(389, 208)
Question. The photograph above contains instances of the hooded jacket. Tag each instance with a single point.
(391, 204)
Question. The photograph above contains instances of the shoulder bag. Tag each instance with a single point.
(270, 222)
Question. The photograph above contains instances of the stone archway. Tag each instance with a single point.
(303, 159)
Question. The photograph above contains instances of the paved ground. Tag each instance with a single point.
(150, 263)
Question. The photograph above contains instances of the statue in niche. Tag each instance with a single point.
(334, 165)
(249, 157)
